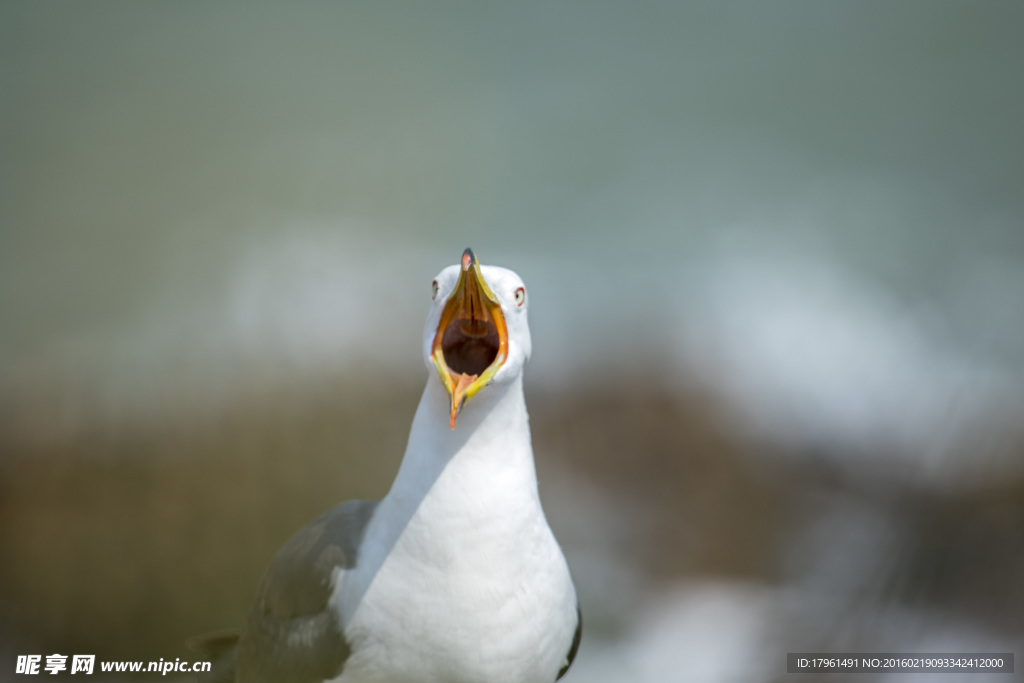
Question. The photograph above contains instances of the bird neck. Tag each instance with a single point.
(491, 436)
(455, 486)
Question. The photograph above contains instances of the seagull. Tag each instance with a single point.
(454, 576)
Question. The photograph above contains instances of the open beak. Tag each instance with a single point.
(471, 341)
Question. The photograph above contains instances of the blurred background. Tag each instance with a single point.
(775, 256)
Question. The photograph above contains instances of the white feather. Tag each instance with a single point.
(459, 577)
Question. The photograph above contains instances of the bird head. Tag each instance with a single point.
(476, 332)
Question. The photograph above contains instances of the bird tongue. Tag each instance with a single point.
(462, 382)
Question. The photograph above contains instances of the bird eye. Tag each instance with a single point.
(433, 289)
(520, 296)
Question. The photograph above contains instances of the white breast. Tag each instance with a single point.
(459, 578)
(474, 589)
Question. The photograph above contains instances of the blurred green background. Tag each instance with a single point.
(775, 254)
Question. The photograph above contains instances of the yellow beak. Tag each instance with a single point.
(471, 342)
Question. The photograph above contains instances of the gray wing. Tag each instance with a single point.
(575, 646)
(290, 635)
